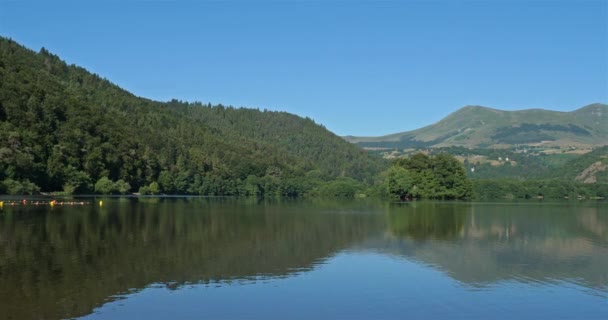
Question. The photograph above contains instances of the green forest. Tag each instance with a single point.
(538, 189)
(65, 129)
(421, 176)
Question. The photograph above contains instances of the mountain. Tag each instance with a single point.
(63, 128)
(482, 127)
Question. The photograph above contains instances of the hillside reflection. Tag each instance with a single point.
(63, 262)
(481, 244)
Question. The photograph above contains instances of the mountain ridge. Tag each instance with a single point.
(481, 127)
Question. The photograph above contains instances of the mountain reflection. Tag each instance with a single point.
(480, 244)
(65, 261)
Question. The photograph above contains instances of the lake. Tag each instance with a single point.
(225, 258)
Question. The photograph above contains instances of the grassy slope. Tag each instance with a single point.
(475, 126)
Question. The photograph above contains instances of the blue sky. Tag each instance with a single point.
(357, 67)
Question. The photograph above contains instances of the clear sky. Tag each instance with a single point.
(357, 67)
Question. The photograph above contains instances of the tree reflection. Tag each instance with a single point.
(425, 220)
(64, 261)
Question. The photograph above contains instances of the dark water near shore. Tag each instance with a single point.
(218, 258)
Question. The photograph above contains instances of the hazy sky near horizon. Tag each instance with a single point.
(357, 67)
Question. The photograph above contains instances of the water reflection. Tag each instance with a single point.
(62, 262)
(482, 244)
(423, 221)
(65, 261)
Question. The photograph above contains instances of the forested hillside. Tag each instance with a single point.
(63, 128)
(588, 168)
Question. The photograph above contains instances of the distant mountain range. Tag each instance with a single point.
(482, 127)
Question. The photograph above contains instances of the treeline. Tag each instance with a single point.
(527, 165)
(537, 189)
(520, 165)
(65, 129)
(534, 164)
(441, 176)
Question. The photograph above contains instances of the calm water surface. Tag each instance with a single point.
(201, 258)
